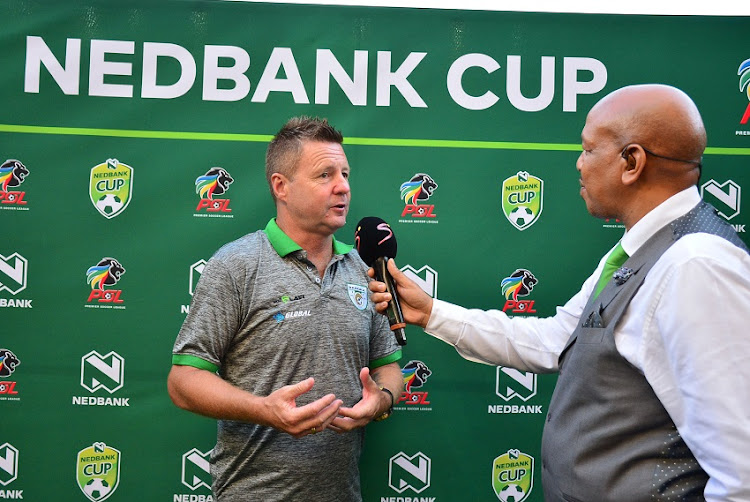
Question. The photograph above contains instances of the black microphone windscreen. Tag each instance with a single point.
(374, 239)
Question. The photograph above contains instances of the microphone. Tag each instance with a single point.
(376, 245)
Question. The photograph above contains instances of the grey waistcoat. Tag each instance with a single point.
(607, 436)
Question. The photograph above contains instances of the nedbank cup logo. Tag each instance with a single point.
(513, 476)
(98, 471)
(522, 199)
(111, 187)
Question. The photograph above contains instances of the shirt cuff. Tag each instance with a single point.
(446, 321)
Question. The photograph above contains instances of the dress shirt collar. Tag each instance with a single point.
(664, 213)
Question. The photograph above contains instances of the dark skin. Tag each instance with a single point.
(619, 178)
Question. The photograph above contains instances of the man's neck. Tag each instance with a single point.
(319, 247)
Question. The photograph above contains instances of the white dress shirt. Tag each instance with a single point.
(687, 330)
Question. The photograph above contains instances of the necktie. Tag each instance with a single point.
(616, 258)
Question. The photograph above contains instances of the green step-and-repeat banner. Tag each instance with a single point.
(462, 129)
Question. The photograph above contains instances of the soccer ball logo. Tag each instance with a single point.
(521, 216)
(96, 488)
(109, 204)
(511, 493)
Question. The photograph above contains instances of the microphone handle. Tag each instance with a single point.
(395, 316)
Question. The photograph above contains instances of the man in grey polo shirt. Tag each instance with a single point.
(282, 345)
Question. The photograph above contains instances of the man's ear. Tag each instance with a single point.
(279, 185)
(634, 162)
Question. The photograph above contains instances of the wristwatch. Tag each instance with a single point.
(387, 412)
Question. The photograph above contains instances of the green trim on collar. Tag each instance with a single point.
(386, 360)
(284, 245)
(281, 242)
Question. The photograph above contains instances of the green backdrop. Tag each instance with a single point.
(159, 93)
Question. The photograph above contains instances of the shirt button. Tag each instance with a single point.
(317, 280)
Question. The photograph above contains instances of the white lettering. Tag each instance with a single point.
(572, 87)
(513, 85)
(99, 67)
(455, 86)
(327, 66)
(151, 53)
(398, 79)
(281, 57)
(67, 77)
(212, 73)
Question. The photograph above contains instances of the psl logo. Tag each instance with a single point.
(8, 464)
(102, 372)
(12, 174)
(418, 189)
(428, 284)
(415, 375)
(98, 471)
(726, 200)
(215, 182)
(510, 383)
(105, 273)
(13, 273)
(8, 363)
(405, 472)
(522, 199)
(513, 476)
(520, 283)
(196, 469)
(111, 187)
(744, 72)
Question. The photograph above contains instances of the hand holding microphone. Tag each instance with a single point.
(376, 245)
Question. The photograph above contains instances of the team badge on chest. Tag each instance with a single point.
(358, 295)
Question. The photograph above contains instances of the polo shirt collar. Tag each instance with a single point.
(284, 245)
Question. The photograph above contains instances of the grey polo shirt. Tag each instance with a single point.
(262, 318)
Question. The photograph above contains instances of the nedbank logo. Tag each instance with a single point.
(725, 197)
(8, 464)
(196, 270)
(522, 197)
(513, 476)
(98, 471)
(430, 281)
(13, 273)
(196, 469)
(511, 383)
(409, 472)
(102, 372)
(111, 187)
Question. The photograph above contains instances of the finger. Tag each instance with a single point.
(376, 286)
(371, 272)
(299, 388)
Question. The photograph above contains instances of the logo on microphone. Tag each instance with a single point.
(215, 182)
(522, 197)
(12, 174)
(518, 284)
(414, 193)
